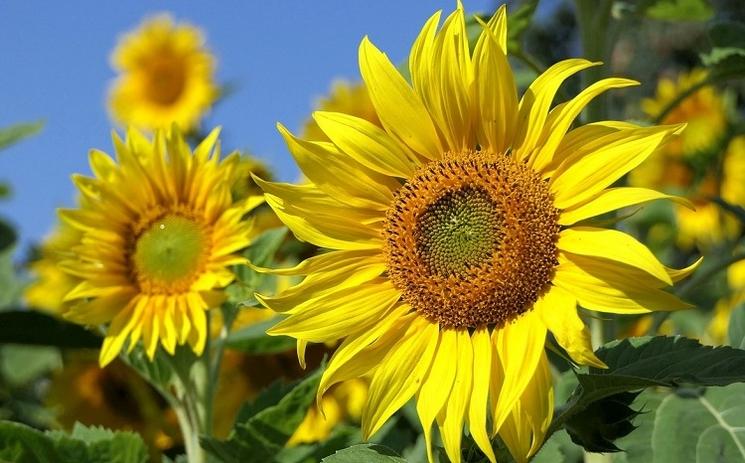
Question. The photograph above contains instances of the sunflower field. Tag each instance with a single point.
(508, 233)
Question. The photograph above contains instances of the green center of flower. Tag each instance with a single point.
(171, 250)
(458, 231)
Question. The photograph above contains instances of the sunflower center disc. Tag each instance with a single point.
(165, 80)
(169, 252)
(471, 240)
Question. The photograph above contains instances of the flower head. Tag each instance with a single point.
(166, 76)
(457, 237)
(160, 229)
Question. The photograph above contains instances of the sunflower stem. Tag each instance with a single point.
(593, 17)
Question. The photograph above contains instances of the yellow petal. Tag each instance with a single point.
(318, 219)
(437, 385)
(366, 143)
(400, 375)
(558, 310)
(613, 199)
(536, 101)
(580, 178)
(399, 108)
(608, 287)
(520, 345)
(349, 351)
(334, 315)
(612, 245)
(477, 408)
(562, 117)
(452, 416)
(496, 93)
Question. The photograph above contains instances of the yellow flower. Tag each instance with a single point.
(348, 98)
(114, 397)
(453, 239)
(51, 283)
(718, 327)
(166, 76)
(708, 223)
(159, 232)
(704, 112)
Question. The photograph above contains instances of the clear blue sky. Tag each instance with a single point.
(282, 54)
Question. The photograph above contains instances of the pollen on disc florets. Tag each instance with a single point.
(470, 240)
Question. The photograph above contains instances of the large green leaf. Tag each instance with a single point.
(15, 133)
(37, 328)
(367, 453)
(638, 363)
(690, 426)
(22, 444)
(260, 437)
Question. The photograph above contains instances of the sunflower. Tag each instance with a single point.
(114, 397)
(704, 112)
(345, 97)
(51, 284)
(458, 237)
(159, 232)
(166, 76)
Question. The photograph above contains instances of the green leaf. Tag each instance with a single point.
(368, 453)
(22, 444)
(559, 448)
(15, 133)
(8, 235)
(254, 340)
(637, 363)
(736, 327)
(602, 422)
(37, 328)
(726, 59)
(679, 10)
(261, 254)
(21, 365)
(518, 22)
(259, 438)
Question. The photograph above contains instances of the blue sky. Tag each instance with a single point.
(282, 55)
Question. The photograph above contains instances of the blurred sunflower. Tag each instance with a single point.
(345, 97)
(686, 163)
(704, 112)
(717, 330)
(114, 397)
(166, 76)
(159, 231)
(51, 283)
(453, 237)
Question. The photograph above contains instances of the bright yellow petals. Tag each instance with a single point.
(166, 76)
(450, 236)
(613, 199)
(558, 311)
(612, 245)
(157, 232)
(401, 111)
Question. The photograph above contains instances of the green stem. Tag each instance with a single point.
(594, 17)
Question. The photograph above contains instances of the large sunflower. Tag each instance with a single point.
(458, 237)
(160, 229)
(166, 76)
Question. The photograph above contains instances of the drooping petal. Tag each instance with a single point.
(613, 199)
(558, 311)
(581, 177)
(400, 375)
(482, 377)
(452, 416)
(612, 245)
